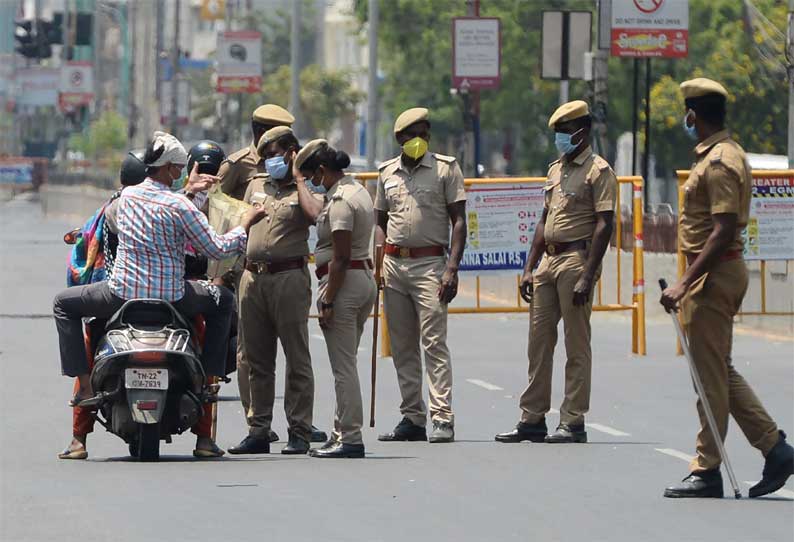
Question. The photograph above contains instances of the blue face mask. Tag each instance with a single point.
(691, 131)
(276, 167)
(179, 182)
(317, 189)
(563, 142)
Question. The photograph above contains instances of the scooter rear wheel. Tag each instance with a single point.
(148, 444)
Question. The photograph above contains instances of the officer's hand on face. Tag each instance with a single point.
(252, 216)
(525, 288)
(581, 292)
(325, 314)
(448, 288)
(199, 182)
(672, 295)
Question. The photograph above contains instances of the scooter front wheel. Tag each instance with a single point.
(148, 442)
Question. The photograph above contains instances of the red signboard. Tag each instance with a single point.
(650, 28)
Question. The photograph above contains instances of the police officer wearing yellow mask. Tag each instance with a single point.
(572, 236)
(715, 211)
(419, 194)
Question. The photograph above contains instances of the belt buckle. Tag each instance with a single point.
(551, 249)
(261, 267)
(405, 252)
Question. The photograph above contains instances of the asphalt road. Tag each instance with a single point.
(642, 430)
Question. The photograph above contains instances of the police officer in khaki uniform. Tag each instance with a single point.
(239, 167)
(574, 233)
(418, 195)
(715, 211)
(347, 288)
(274, 300)
(235, 174)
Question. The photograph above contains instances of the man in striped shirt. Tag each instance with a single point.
(154, 224)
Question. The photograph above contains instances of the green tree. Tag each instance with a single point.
(105, 137)
(415, 56)
(325, 95)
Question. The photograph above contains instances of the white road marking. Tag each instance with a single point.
(483, 384)
(606, 429)
(782, 492)
(675, 453)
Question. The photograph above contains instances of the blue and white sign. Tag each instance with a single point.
(16, 172)
(501, 220)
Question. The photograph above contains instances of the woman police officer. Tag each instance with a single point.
(347, 289)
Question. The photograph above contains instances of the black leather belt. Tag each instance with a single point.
(275, 267)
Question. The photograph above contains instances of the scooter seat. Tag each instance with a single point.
(147, 312)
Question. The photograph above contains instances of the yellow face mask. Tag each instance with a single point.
(415, 148)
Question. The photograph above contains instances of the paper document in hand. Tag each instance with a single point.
(225, 214)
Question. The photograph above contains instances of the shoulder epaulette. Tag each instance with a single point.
(444, 158)
(387, 163)
(600, 162)
(235, 156)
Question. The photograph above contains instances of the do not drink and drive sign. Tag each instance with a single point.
(650, 28)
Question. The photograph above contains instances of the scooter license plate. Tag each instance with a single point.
(146, 379)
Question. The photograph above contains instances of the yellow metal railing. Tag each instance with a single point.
(637, 305)
(757, 174)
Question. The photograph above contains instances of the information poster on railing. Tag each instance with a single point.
(501, 220)
(770, 230)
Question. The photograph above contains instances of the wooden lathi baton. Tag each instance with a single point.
(375, 322)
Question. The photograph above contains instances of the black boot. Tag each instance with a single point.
(272, 436)
(295, 446)
(533, 432)
(251, 445)
(701, 484)
(567, 433)
(779, 465)
(339, 450)
(406, 430)
(318, 435)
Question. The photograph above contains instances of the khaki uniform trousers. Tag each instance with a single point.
(414, 314)
(352, 306)
(708, 310)
(275, 307)
(552, 299)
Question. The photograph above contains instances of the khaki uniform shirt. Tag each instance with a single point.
(348, 207)
(283, 234)
(574, 192)
(238, 168)
(417, 200)
(720, 181)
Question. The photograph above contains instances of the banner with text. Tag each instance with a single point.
(501, 220)
(770, 230)
(650, 28)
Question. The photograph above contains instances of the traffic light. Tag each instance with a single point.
(26, 40)
(83, 28)
(32, 44)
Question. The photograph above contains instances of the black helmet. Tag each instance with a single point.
(133, 170)
(209, 156)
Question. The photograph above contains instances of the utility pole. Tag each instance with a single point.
(372, 89)
(175, 67)
(294, 62)
(473, 10)
(132, 110)
(790, 58)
